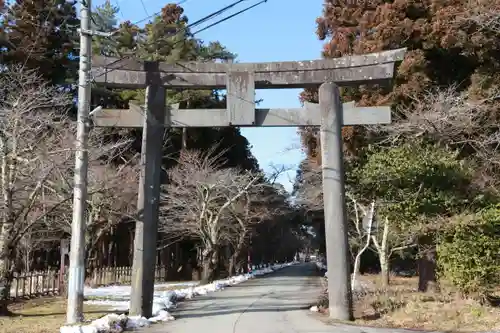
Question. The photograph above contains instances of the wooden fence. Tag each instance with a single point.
(120, 275)
(34, 284)
(43, 283)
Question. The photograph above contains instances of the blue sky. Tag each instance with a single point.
(277, 30)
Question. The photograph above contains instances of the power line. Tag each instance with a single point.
(230, 17)
(144, 7)
(119, 10)
(220, 11)
(191, 25)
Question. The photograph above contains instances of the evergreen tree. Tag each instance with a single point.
(42, 35)
(104, 20)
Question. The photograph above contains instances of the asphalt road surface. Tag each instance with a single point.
(275, 303)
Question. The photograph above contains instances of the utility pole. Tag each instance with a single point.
(74, 312)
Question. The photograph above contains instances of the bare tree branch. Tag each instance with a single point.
(199, 201)
(36, 162)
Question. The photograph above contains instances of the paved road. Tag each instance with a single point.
(276, 303)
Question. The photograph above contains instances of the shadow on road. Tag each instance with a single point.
(295, 271)
(226, 310)
(288, 296)
(282, 291)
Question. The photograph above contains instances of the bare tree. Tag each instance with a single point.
(363, 226)
(36, 164)
(112, 191)
(455, 119)
(197, 200)
(388, 240)
(32, 127)
(261, 203)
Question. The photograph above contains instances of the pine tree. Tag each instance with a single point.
(445, 46)
(42, 34)
(167, 37)
(104, 20)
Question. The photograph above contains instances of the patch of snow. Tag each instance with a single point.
(320, 265)
(124, 291)
(314, 309)
(118, 298)
(111, 322)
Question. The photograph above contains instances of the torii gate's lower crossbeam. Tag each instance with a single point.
(309, 115)
(241, 80)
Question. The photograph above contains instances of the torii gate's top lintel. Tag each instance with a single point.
(350, 70)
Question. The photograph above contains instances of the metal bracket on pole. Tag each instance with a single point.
(97, 109)
(95, 33)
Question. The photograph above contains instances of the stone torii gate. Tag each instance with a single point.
(241, 80)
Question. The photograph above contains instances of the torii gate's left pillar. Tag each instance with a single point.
(146, 225)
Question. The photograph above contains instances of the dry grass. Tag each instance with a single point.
(43, 315)
(401, 306)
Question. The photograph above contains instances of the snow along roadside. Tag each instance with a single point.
(161, 304)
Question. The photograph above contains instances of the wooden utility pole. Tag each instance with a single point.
(241, 80)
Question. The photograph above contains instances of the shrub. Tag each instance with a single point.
(469, 253)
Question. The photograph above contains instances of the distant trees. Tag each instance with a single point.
(215, 206)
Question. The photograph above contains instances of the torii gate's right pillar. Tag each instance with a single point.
(332, 164)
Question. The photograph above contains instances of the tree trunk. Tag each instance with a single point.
(110, 250)
(357, 259)
(384, 271)
(232, 266)
(210, 264)
(357, 267)
(383, 253)
(427, 280)
(237, 252)
(5, 281)
(208, 269)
